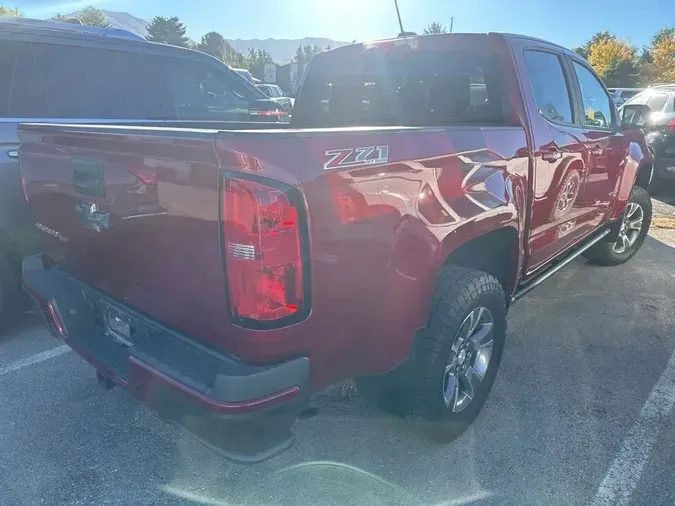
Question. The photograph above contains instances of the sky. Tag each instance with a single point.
(570, 24)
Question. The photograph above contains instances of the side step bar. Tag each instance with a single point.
(531, 285)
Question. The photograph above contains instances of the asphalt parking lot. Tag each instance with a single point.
(580, 414)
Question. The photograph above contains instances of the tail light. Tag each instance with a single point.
(145, 175)
(276, 114)
(49, 312)
(671, 126)
(264, 252)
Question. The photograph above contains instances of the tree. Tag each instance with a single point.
(662, 66)
(585, 50)
(615, 61)
(304, 53)
(215, 44)
(168, 31)
(234, 58)
(91, 16)
(12, 12)
(435, 28)
(257, 57)
(59, 17)
(663, 34)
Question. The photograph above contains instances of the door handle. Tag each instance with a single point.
(551, 155)
(13, 153)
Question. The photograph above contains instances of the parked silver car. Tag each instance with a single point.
(277, 94)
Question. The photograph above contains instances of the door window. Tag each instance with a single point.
(199, 92)
(596, 101)
(549, 86)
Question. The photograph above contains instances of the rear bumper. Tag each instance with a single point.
(225, 403)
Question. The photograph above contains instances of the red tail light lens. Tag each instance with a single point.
(263, 244)
(671, 126)
(278, 115)
(49, 312)
(146, 175)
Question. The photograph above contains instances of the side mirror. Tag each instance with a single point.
(634, 117)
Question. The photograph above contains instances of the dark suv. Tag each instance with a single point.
(659, 129)
(59, 72)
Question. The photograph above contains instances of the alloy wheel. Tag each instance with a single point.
(469, 359)
(631, 225)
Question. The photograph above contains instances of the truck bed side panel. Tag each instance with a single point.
(379, 232)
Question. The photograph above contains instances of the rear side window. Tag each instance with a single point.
(81, 82)
(20, 91)
(549, 86)
(376, 87)
(54, 81)
(657, 102)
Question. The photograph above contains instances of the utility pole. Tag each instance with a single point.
(452, 22)
(398, 13)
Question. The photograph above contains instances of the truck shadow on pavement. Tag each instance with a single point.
(582, 354)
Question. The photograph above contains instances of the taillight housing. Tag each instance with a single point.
(275, 115)
(671, 126)
(49, 312)
(265, 252)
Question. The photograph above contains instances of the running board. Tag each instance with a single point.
(531, 285)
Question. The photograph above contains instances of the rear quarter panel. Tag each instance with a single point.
(380, 233)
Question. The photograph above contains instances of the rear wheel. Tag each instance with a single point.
(455, 362)
(633, 230)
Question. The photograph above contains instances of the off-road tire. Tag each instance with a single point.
(459, 290)
(603, 253)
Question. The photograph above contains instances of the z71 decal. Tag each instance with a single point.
(368, 155)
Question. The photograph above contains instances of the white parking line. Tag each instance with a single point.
(624, 473)
(34, 359)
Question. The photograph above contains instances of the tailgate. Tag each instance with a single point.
(134, 213)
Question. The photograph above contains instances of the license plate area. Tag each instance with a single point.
(117, 325)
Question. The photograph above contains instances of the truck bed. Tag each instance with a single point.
(136, 213)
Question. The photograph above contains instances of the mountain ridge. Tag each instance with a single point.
(282, 50)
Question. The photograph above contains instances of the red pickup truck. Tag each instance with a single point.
(222, 273)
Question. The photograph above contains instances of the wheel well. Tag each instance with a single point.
(494, 253)
(644, 175)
